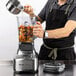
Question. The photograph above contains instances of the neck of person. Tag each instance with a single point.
(61, 2)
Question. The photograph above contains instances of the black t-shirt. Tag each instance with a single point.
(44, 12)
(62, 42)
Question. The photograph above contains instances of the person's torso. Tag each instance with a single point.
(57, 18)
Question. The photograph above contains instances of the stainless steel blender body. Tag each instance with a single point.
(27, 63)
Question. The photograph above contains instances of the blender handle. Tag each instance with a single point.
(33, 21)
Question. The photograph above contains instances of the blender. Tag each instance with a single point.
(27, 59)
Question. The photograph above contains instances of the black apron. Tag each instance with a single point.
(57, 19)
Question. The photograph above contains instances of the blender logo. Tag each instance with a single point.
(27, 66)
(21, 64)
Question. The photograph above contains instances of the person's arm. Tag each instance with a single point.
(56, 33)
(29, 10)
(41, 16)
(59, 32)
(67, 29)
(62, 32)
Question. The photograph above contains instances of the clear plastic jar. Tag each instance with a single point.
(25, 29)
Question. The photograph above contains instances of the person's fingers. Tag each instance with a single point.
(37, 29)
(38, 22)
(28, 8)
(25, 8)
(37, 26)
(36, 32)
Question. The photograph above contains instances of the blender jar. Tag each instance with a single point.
(25, 29)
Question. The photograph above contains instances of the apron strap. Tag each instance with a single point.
(53, 52)
(68, 7)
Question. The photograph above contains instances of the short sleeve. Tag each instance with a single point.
(42, 13)
(72, 15)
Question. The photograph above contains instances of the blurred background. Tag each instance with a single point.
(9, 31)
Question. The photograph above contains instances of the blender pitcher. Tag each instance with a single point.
(25, 30)
(25, 34)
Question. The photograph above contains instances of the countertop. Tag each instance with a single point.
(7, 70)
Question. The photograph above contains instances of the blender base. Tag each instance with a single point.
(25, 64)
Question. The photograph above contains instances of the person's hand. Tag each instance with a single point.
(38, 30)
(29, 10)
